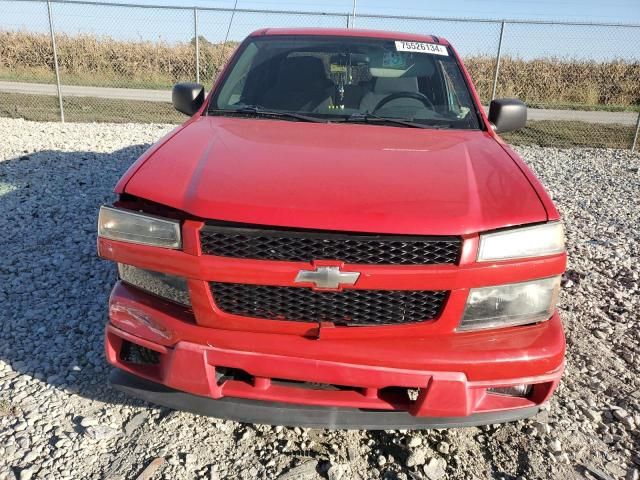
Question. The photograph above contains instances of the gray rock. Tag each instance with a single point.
(88, 422)
(20, 426)
(554, 445)
(541, 427)
(414, 441)
(435, 468)
(443, 447)
(600, 334)
(337, 471)
(304, 471)
(62, 443)
(26, 474)
(6, 473)
(30, 457)
(133, 424)
(417, 457)
(189, 460)
(101, 432)
(629, 423)
(595, 417)
(615, 469)
(620, 413)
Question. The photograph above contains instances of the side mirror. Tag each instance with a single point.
(187, 97)
(507, 114)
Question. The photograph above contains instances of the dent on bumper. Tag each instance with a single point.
(423, 378)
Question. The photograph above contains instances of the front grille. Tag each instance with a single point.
(305, 246)
(347, 307)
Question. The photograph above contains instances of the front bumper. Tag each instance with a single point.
(386, 382)
(274, 413)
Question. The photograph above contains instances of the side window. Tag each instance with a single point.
(234, 85)
(452, 77)
(236, 91)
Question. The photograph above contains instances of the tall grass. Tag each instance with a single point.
(104, 61)
(560, 81)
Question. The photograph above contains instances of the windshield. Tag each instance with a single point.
(347, 79)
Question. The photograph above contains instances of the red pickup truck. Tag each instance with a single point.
(337, 237)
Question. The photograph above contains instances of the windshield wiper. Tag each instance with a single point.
(261, 112)
(373, 118)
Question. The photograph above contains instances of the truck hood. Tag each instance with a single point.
(345, 177)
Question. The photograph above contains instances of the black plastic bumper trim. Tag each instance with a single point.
(272, 413)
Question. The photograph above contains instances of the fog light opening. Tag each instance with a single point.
(227, 373)
(522, 390)
(138, 355)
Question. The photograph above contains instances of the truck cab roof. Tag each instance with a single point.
(352, 32)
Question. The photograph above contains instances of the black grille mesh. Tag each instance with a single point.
(305, 246)
(350, 307)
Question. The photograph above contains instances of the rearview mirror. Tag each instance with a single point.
(187, 97)
(507, 114)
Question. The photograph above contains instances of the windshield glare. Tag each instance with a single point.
(336, 78)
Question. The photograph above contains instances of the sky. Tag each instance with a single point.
(520, 40)
(626, 11)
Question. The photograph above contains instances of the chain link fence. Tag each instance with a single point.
(117, 63)
(577, 93)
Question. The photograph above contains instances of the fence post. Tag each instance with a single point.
(195, 35)
(353, 15)
(495, 75)
(55, 60)
(635, 137)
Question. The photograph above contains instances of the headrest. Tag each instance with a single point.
(302, 69)
(392, 85)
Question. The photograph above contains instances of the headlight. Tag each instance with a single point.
(536, 241)
(129, 226)
(511, 304)
(166, 286)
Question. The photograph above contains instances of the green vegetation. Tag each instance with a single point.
(561, 83)
(103, 79)
(579, 106)
(106, 62)
(563, 134)
(103, 61)
(86, 109)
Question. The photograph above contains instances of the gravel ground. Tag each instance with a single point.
(59, 419)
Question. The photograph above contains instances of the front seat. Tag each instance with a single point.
(385, 86)
(302, 85)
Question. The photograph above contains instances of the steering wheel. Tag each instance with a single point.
(414, 95)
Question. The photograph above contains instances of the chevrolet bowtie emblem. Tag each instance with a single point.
(327, 277)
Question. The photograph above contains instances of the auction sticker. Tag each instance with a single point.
(419, 47)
